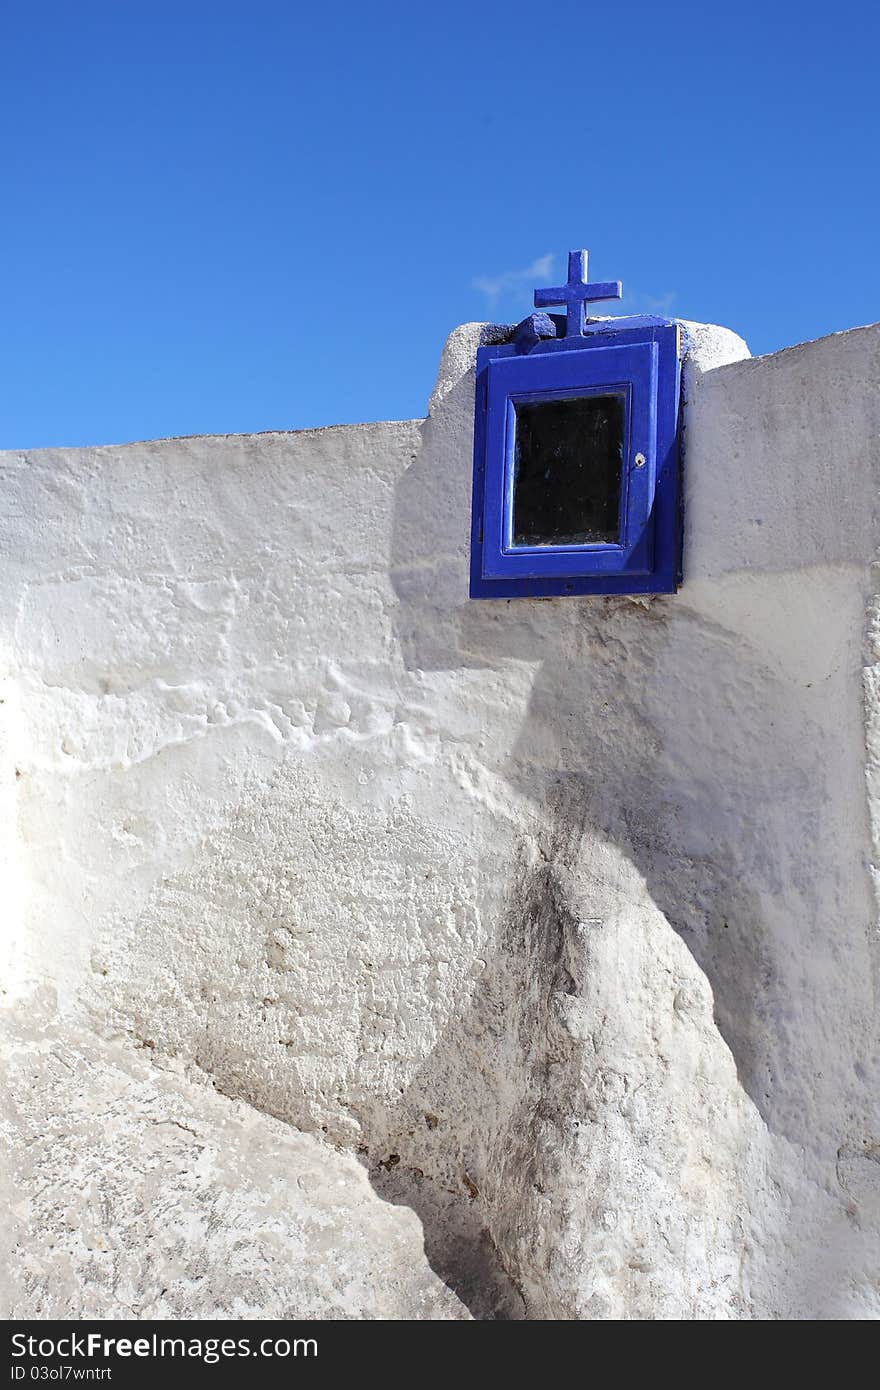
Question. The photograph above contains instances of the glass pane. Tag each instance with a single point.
(568, 462)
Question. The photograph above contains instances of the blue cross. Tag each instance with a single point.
(577, 294)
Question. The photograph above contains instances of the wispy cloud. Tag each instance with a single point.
(515, 283)
(510, 282)
(635, 302)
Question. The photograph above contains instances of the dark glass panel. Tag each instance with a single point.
(568, 464)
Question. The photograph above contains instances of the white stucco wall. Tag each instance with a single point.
(557, 914)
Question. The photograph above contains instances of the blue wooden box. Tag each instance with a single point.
(628, 368)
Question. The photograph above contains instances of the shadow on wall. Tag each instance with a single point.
(666, 735)
(480, 1127)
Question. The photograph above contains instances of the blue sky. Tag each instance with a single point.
(230, 217)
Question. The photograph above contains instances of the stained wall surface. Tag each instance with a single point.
(557, 916)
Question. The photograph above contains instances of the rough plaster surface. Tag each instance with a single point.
(134, 1193)
(557, 915)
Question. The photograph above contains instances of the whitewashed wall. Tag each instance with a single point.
(557, 913)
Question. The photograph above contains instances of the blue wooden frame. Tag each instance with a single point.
(638, 358)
